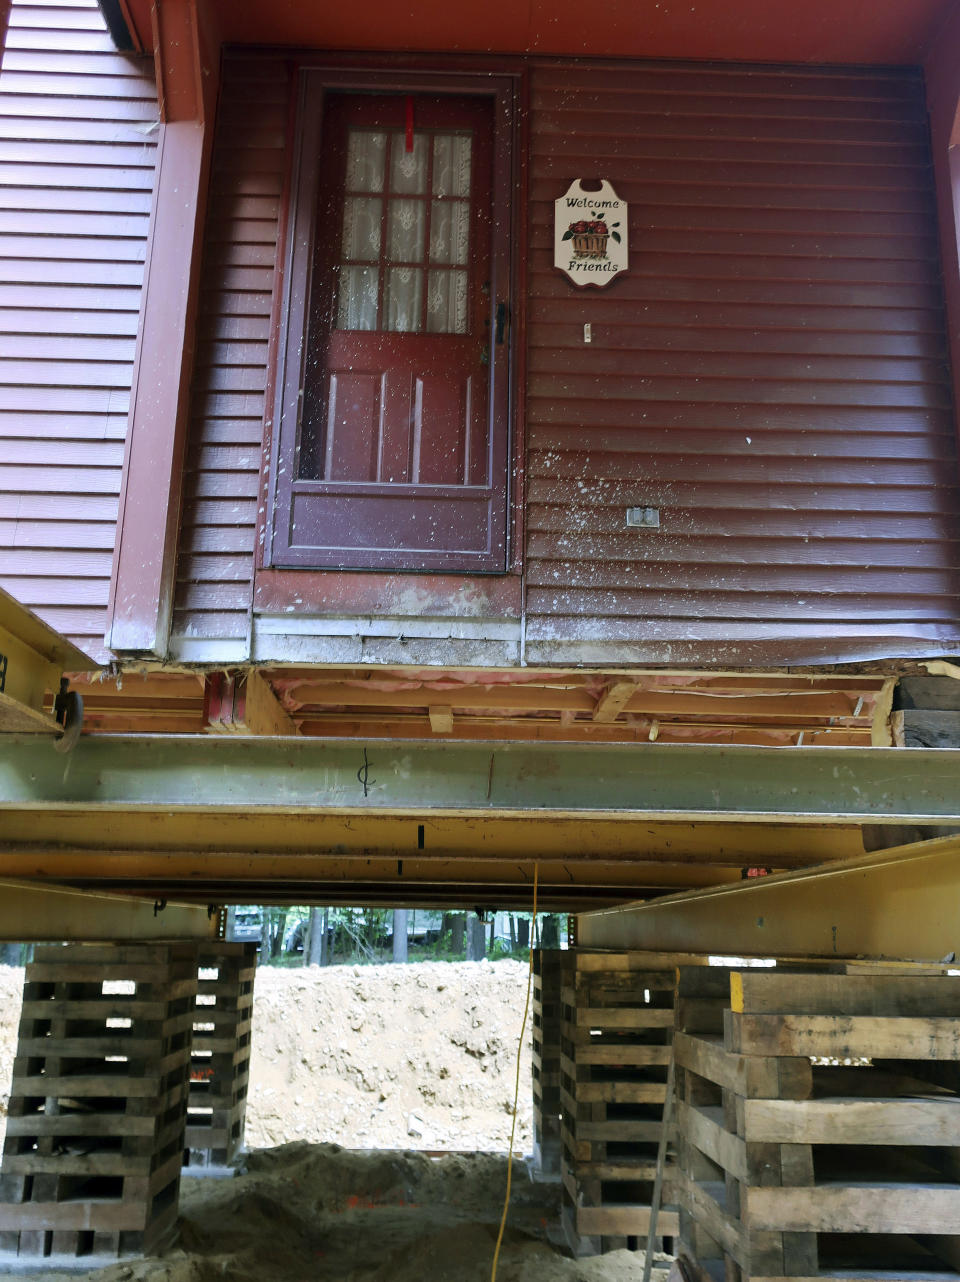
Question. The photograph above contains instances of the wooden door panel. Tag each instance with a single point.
(371, 526)
(354, 425)
(400, 420)
(441, 430)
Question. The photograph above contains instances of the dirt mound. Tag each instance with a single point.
(305, 1211)
(420, 1056)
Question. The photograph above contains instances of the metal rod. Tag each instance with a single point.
(661, 1162)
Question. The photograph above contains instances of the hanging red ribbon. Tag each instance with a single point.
(409, 122)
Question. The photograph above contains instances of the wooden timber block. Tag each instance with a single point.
(616, 1029)
(845, 1016)
(220, 1058)
(93, 1149)
(820, 1137)
(545, 1037)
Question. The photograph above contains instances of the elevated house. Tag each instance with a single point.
(377, 388)
(466, 449)
(320, 434)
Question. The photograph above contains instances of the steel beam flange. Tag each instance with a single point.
(227, 775)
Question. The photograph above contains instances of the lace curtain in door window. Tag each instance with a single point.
(405, 242)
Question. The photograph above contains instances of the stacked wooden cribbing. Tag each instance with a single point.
(617, 1026)
(220, 1062)
(545, 1035)
(94, 1142)
(820, 1129)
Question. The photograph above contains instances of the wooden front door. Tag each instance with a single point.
(399, 454)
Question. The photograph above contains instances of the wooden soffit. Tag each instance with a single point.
(820, 31)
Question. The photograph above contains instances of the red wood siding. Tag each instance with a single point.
(76, 174)
(771, 374)
(215, 571)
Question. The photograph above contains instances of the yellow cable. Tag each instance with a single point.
(516, 1088)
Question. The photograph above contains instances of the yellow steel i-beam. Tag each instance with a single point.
(901, 903)
(233, 869)
(34, 913)
(32, 659)
(45, 827)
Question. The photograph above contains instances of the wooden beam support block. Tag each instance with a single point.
(257, 709)
(441, 719)
(614, 699)
(243, 703)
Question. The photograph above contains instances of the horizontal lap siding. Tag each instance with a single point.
(77, 131)
(771, 373)
(215, 569)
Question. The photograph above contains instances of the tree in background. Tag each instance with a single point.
(550, 933)
(317, 936)
(274, 926)
(400, 934)
(476, 938)
(457, 932)
(316, 951)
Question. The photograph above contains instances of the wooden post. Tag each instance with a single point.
(4, 22)
(141, 600)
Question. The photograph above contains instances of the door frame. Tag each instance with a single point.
(296, 254)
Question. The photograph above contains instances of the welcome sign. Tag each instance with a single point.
(590, 234)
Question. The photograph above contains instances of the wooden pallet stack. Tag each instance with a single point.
(220, 1060)
(819, 1123)
(94, 1142)
(545, 1036)
(616, 1030)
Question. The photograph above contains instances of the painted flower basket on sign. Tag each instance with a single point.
(590, 237)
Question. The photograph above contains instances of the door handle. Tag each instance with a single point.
(503, 315)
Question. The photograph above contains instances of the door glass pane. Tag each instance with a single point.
(361, 228)
(427, 194)
(357, 298)
(447, 302)
(403, 300)
(408, 169)
(451, 164)
(449, 231)
(405, 230)
(366, 153)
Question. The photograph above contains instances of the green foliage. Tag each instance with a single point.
(362, 936)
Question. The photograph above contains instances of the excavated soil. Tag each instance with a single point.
(382, 1059)
(420, 1056)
